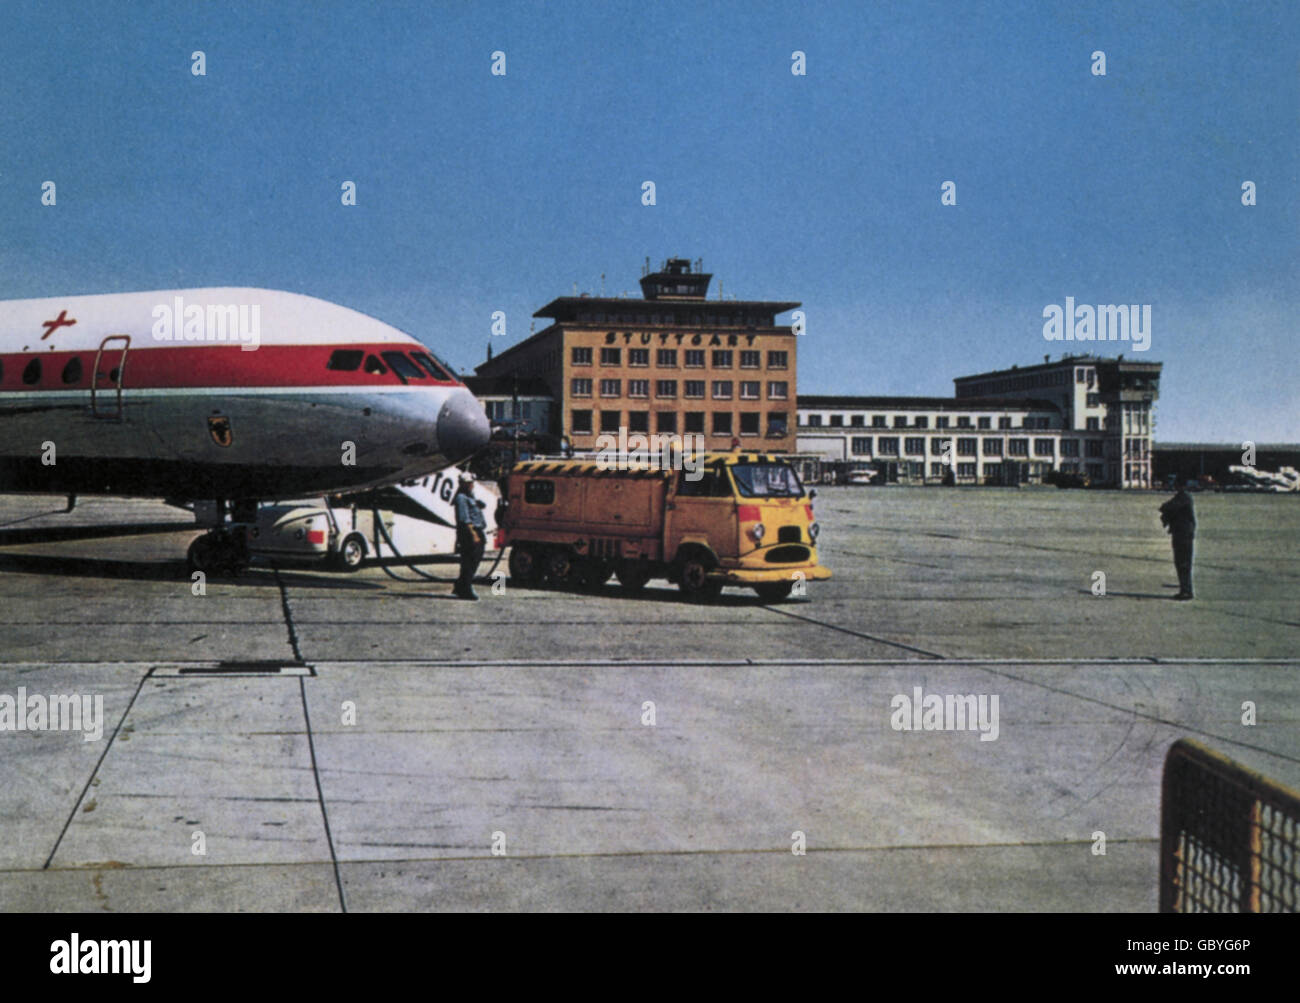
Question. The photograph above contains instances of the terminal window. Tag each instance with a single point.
(695, 358)
(610, 420)
(861, 445)
(877, 421)
(915, 446)
(581, 423)
(611, 356)
(638, 421)
(666, 421)
(777, 360)
(721, 358)
(694, 388)
(638, 356)
(580, 388)
(776, 390)
(581, 356)
(667, 357)
(721, 422)
(749, 422)
(751, 359)
(887, 445)
(694, 421)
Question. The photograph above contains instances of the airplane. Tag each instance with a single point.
(1283, 480)
(225, 395)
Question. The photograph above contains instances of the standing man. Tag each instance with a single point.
(470, 536)
(1179, 517)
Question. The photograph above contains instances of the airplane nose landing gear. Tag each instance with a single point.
(221, 551)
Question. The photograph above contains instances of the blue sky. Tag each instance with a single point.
(479, 193)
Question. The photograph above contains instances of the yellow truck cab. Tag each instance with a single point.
(727, 519)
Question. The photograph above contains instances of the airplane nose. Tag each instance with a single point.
(463, 427)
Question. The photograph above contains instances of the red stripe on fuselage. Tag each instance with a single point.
(229, 365)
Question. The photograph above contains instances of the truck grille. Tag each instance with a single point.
(787, 555)
(788, 534)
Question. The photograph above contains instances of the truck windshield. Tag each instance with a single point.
(767, 480)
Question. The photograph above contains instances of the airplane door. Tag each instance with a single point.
(107, 377)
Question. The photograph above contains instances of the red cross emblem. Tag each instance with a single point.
(60, 321)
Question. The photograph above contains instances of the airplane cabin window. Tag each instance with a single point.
(346, 359)
(32, 374)
(373, 365)
(403, 367)
(72, 371)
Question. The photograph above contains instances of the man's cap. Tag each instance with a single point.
(466, 477)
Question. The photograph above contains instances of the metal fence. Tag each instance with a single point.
(1229, 837)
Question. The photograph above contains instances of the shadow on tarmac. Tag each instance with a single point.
(167, 571)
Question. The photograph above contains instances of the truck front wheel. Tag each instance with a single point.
(693, 578)
(773, 591)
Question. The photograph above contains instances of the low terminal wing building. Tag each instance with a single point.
(1082, 415)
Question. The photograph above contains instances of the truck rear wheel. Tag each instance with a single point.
(633, 578)
(562, 567)
(693, 578)
(525, 567)
(594, 574)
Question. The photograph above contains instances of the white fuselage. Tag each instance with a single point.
(220, 393)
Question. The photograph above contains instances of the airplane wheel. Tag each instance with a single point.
(524, 564)
(202, 556)
(773, 591)
(217, 553)
(351, 553)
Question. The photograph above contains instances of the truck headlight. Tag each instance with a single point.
(757, 532)
(813, 530)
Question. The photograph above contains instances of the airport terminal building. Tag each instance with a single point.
(1082, 414)
(673, 363)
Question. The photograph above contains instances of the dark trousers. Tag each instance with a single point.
(1183, 560)
(471, 553)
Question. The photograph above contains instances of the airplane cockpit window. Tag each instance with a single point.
(346, 359)
(32, 374)
(403, 367)
(72, 371)
(434, 368)
(374, 366)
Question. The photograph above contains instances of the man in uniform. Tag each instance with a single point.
(1179, 517)
(470, 536)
